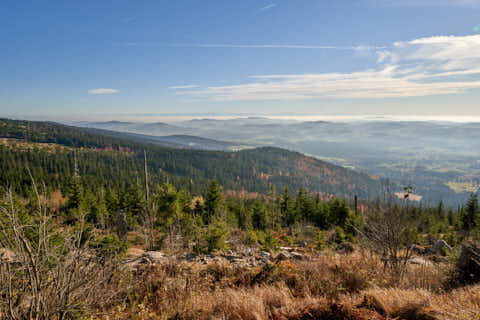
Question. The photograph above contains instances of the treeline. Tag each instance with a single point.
(117, 163)
(203, 221)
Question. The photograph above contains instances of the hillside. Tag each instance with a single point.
(433, 157)
(111, 161)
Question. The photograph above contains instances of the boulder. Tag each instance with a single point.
(154, 256)
(419, 261)
(265, 254)
(190, 256)
(283, 255)
(233, 257)
(297, 256)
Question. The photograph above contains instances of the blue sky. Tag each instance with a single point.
(225, 56)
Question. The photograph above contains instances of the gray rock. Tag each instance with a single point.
(265, 254)
(232, 257)
(154, 256)
(297, 256)
(283, 255)
(419, 261)
(190, 256)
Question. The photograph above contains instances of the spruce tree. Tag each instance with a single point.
(470, 216)
(213, 200)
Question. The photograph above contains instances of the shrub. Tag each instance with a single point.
(109, 245)
(320, 240)
(270, 242)
(251, 238)
(59, 279)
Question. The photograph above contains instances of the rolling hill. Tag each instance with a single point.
(47, 149)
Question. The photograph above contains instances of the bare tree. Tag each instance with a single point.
(52, 274)
(388, 231)
(148, 217)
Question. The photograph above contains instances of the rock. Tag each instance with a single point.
(239, 261)
(345, 247)
(419, 261)
(297, 256)
(232, 257)
(468, 266)
(265, 254)
(248, 251)
(264, 260)
(283, 255)
(286, 249)
(190, 256)
(303, 244)
(152, 257)
(440, 246)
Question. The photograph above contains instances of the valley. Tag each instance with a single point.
(433, 157)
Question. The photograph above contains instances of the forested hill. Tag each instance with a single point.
(47, 149)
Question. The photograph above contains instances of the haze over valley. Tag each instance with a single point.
(439, 159)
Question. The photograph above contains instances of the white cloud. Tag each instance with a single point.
(421, 67)
(102, 91)
(188, 86)
(267, 7)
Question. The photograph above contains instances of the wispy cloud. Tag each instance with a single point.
(421, 67)
(425, 3)
(275, 46)
(102, 91)
(188, 86)
(130, 19)
(267, 7)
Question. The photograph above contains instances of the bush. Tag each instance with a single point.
(320, 241)
(109, 245)
(251, 238)
(54, 276)
(338, 236)
(270, 243)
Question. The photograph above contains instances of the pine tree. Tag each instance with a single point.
(213, 200)
(338, 213)
(286, 207)
(470, 216)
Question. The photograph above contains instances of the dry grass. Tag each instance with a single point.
(332, 286)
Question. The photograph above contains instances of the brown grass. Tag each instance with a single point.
(332, 286)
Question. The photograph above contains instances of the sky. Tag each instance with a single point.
(407, 57)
